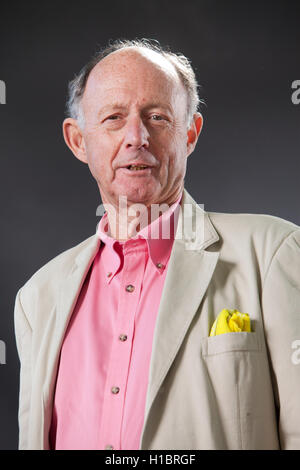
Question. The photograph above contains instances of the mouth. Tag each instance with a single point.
(137, 167)
(137, 170)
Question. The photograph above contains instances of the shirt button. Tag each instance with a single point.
(129, 288)
(109, 274)
(123, 337)
(109, 447)
(115, 390)
(159, 265)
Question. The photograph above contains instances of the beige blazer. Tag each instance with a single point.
(232, 391)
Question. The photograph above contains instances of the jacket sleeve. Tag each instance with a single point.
(23, 333)
(281, 311)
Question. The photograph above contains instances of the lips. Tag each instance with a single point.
(137, 166)
(136, 169)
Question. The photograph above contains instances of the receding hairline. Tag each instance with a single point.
(152, 57)
(149, 54)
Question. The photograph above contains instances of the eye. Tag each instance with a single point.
(157, 117)
(113, 117)
(112, 120)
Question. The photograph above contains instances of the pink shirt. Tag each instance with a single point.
(102, 378)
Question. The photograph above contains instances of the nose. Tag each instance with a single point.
(136, 134)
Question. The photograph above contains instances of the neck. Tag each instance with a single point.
(126, 219)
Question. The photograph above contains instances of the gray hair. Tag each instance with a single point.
(181, 64)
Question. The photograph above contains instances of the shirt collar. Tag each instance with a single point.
(159, 236)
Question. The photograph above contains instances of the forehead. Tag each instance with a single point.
(129, 75)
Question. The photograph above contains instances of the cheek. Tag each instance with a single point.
(100, 153)
(178, 164)
(175, 143)
(165, 148)
(172, 156)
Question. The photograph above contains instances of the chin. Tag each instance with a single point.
(138, 194)
(139, 197)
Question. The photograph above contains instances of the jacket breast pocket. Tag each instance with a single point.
(230, 342)
(238, 388)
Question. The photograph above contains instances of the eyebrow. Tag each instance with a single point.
(119, 107)
(110, 108)
(158, 105)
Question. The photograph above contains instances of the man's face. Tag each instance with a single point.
(134, 109)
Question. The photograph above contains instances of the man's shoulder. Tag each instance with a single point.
(41, 292)
(252, 223)
(264, 233)
(60, 266)
(245, 226)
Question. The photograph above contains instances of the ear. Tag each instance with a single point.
(74, 138)
(194, 132)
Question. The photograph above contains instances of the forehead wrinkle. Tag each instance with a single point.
(126, 96)
(115, 106)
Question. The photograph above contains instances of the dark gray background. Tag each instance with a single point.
(246, 55)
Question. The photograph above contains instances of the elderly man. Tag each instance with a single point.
(136, 340)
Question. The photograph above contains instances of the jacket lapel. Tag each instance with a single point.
(189, 272)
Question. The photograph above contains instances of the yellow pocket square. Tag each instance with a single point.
(230, 321)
